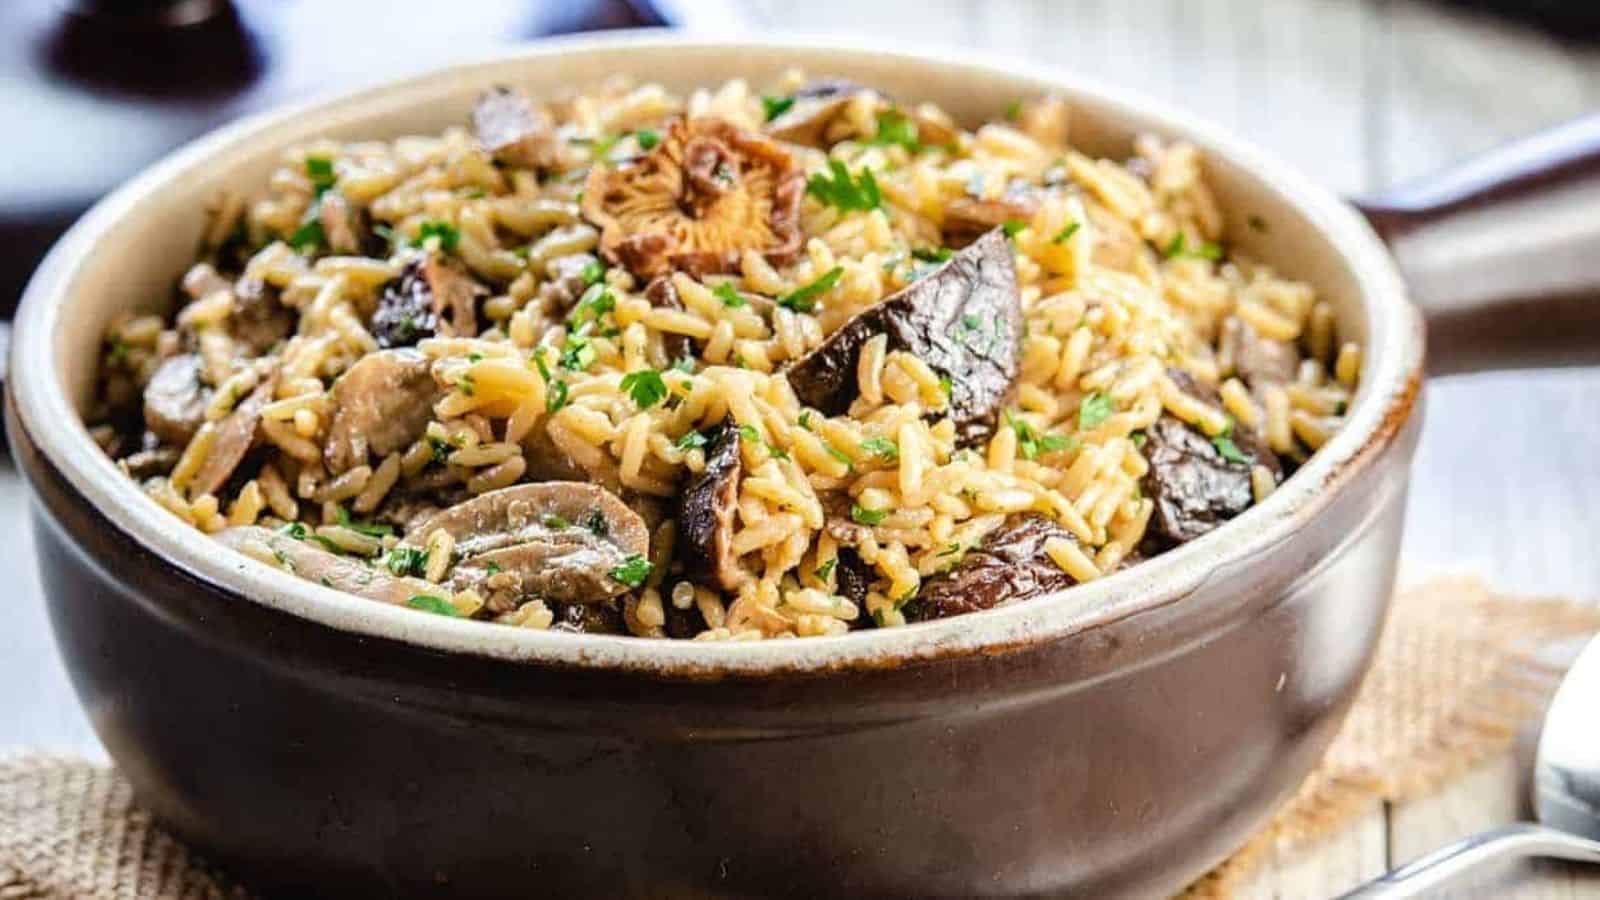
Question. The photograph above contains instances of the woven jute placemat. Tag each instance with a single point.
(1458, 672)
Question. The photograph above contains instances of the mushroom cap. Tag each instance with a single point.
(696, 202)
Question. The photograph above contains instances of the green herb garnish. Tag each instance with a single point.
(405, 561)
(370, 529)
(633, 571)
(803, 298)
(730, 297)
(932, 254)
(881, 447)
(867, 516)
(844, 191)
(436, 605)
(1227, 448)
(592, 272)
(896, 129)
(1178, 247)
(556, 521)
(774, 107)
(645, 387)
(1095, 409)
(577, 354)
(1066, 233)
(691, 440)
(647, 139)
(1013, 110)
(449, 236)
(1013, 227)
(320, 170)
(826, 569)
(838, 454)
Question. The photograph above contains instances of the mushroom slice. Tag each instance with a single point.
(381, 404)
(816, 106)
(175, 399)
(1009, 565)
(706, 512)
(558, 539)
(432, 296)
(588, 618)
(964, 320)
(515, 131)
(967, 218)
(1196, 482)
(313, 563)
(1260, 361)
(236, 434)
(697, 201)
(663, 295)
(260, 320)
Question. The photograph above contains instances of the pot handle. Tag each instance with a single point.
(1502, 252)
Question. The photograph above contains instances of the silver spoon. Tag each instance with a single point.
(1566, 779)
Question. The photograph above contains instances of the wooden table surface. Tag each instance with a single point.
(1361, 95)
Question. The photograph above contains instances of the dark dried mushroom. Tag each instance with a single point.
(149, 463)
(380, 405)
(1009, 565)
(260, 320)
(968, 218)
(562, 540)
(588, 618)
(662, 294)
(175, 399)
(567, 279)
(703, 196)
(1259, 361)
(236, 434)
(852, 579)
(964, 320)
(1196, 482)
(706, 511)
(515, 131)
(432, 296)
(309, 560)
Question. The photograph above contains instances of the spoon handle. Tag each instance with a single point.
(1448, 864)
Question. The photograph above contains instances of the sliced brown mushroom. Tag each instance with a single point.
(703, 196)
(260, 320)
(380, 405)
(345, 573)
(706, 510)
(236, 434)
(1260, 361)
(562, 540)
(432, 296)
(663, 295)
(175, 399)
(1197, 482)
(964, 320)
(968, 218)
(588, 618)
(341, 223)
(815, 109)
(1009, 565)
(515, 131)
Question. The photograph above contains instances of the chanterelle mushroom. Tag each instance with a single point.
(704, 195)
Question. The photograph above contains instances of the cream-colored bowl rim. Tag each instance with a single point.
(1392, 366)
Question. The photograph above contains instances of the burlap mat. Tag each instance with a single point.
(1458, 673)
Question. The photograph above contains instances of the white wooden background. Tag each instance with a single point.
(1361, 94)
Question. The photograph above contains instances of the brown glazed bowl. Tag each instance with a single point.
(1116, 739)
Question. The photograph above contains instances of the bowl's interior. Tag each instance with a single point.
(128, 253)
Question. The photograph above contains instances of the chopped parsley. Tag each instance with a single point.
(577, 354)
(633, 571)
(867, 516)
(1207, 249)
(1227, 448)
(320, 170)
(1138, 438)
(1095, 409)
(441, 448)
(774, 107)
(932, 254)
(118, 352)
(595, 302)
(946, 385)
(896, 129)
(881, 447)
(493, 568)
(1031, 443)
(803, 298)
(1013, 110)
(436, 605)
(1013, 227)
(844, 191)
(691, 440)
(826, 569)
(838, 454)
(467, 385)
(370, 529)
(749, 433)
(592, 272)
(647, 139)
(556, 521)
(595, 521)
(555, 396)
(805, 419)
(296, 530)
(1066, 233)
(283, 559)
(950, 550)
(645, 387)
(405, 561)
(449, 236)
(730, 297)
(309, 236)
